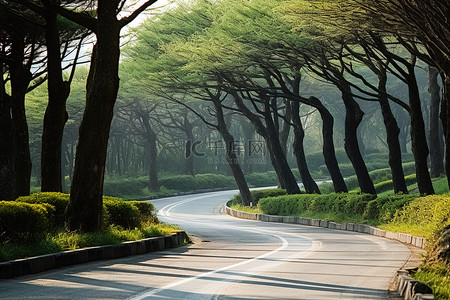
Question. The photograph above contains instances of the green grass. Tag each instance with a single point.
(62, 240)
(254, 209)
(437, 276)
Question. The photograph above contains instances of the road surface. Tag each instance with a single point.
(230, 259)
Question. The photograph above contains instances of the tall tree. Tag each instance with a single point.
(85, 206)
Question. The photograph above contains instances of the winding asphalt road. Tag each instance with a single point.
(230, 259)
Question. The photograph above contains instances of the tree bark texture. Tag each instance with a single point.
(189, 166)
(328, 150)
(55, 116)
(418, 136)
(392, 134)
(7, 146)
(353, 118)
(150, 135)
(299, 134)
(261, 130)
(434, 132)
(85, 206)
(279, 158)
(20, 79)
(232, 160)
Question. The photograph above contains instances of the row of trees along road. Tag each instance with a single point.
(217, 59)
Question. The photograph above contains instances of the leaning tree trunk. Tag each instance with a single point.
(328, 150)
(434, 132)
(299, 134)
(7, 176)
(189, 155)
(232, 160)
(152, 153)
(392, 133)
(353, 118)
(20, 79)
(418, 136)
(286, 127)
(262, 130)
(445, 113)
(55, 116)
(290, 183)
(86, 203)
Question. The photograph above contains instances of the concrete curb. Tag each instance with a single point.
(32, 265)
(411, 289)
(401, 237)
(408, 288)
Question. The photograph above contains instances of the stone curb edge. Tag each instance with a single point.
(36, 264)
(362, 228)
(408, 287)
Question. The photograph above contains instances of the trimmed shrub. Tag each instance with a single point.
(426, 215)
(58, 200)
(348, 204)
(122, 213)
(120, 186)
(261, 179)
(259, 194)
(147, 213)
(24, 222)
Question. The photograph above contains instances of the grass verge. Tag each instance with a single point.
(62, 240)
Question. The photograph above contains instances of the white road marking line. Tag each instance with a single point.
(165, 212)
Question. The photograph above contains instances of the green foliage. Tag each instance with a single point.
(259, 194)
(58, 200)
(436, 275)
(23, 221)
(261, 179)
(41, 213)
(122, 213)
(382, 179)
(185, 183)
(389, 184)
(121, 186)
(384, 208)
(147, 212)
(240, 207)
(342, 203)
(425, 216)
(62, 240)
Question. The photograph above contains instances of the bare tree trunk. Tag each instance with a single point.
(353, 118)
(434, 132)
(7, 149)
(55, 116)
(20, 79)
(85, 206)
(299, 134)
(392, 133)
(189, 166)
(232, 160)
(418, 136)
(279, 158)
(150, 136)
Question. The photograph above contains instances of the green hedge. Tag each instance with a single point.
(348, 204)
(127, 214)
(21, 221)
(58, 200)
(382, 179)
(259, 194)
(384, 208)
(389, 184)
(186, 183)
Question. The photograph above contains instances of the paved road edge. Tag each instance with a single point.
(36, 264)
(407, 287)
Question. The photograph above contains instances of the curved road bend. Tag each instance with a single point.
(230, 259)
